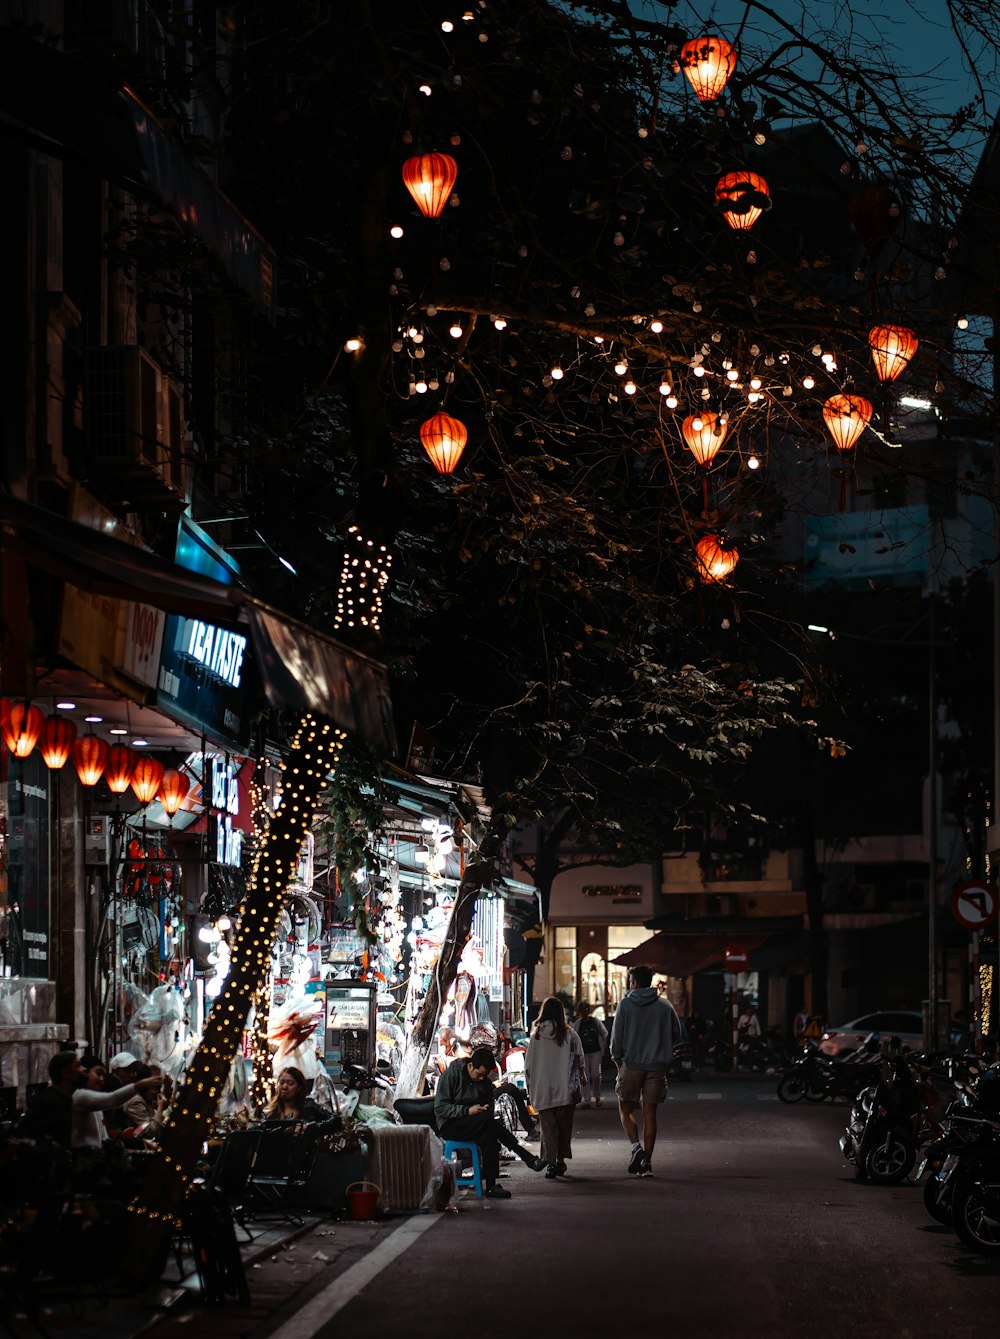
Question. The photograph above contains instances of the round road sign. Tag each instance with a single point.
(973, 905)
(735, 957)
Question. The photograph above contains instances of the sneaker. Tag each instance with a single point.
(598, 1102)
(645, 1170)
(636, 1161)
(496, 1193)
(535, 1164)
(551, 1172)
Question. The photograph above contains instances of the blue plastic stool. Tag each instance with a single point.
(453, 1146)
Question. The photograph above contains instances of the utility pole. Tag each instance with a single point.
(932, 852)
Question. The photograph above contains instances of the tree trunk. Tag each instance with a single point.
(195, 1105)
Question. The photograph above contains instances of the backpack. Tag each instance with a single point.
(589, 1035)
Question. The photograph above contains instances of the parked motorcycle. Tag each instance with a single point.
(887, 1123)
(816, 1077)
(963, 1188)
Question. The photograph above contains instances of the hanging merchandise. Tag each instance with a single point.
(465, 1003)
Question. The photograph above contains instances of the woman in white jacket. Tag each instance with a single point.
(553, 1068)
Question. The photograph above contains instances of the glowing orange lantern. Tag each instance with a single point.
(708, 62)
(173, 789)
(57, 741)
(89, 757)
(703, 435)
(846, 416)
(747, 195)
(430, 178)
(892, 348)
(119, 768)
(444, 441)
(21, 724)
(714, 562)
(146, 779)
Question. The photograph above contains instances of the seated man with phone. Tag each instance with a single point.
(463, 1110)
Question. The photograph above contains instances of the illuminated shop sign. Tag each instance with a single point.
(226, 799)
(207, 679)
(221, 652)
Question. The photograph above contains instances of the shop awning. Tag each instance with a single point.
(302, 668)
(684, 954)
(306, 671)
(65, 107)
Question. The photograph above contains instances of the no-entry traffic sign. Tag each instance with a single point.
(973, 905)
(735, 957)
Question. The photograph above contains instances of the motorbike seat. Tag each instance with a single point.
(416, 1111)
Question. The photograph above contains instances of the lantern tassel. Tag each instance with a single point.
(843, 490)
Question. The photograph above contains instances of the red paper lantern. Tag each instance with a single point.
(173, 789)
(430, 178)
(714, 562)
(892, 348)
(90, 754)
(20, 724)
(876, 214)
(146, 779)
(444, 441)
(846, 416)
(119, 768)
(748, 192)
(703, 434)
(58, 734)
(708, 63)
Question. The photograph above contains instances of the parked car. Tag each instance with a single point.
(906, 1024)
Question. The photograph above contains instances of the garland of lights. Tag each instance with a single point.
(311, 759)
(364, 576)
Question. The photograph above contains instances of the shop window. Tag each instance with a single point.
(565, 937)
(565, 972)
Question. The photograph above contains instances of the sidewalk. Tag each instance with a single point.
(295, 1252)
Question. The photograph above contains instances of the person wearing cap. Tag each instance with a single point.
(90, 1099)
(123, 1067)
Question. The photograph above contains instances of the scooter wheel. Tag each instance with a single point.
(792, 1088)
(890, 1159)
(975, 1217)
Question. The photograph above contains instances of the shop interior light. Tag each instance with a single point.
(65, 706)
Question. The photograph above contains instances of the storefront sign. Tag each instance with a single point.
(206, 679)
(225, 797)
(621, 892)
(142, 641)
(24, 914)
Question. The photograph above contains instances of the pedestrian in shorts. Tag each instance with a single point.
(642, 1046)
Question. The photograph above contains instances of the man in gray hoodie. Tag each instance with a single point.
(642, 1046)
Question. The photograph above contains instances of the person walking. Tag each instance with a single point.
(594, 1039)
(553, 1067)
(642, 1046)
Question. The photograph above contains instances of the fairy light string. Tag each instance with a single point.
(191, 1116)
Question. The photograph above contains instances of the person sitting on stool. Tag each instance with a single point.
(463, 1111)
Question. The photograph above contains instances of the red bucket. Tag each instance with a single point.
(362, 1204)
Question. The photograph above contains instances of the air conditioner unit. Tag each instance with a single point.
(135, 426)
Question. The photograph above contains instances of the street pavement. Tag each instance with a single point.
(752, 1225)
